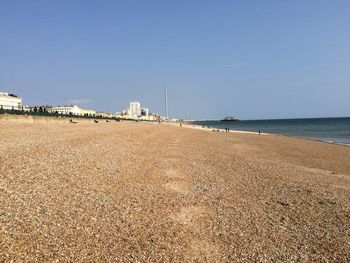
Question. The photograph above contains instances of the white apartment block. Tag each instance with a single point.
(135, 108)
(10, 101)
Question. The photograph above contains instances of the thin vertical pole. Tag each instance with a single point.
(166, 103)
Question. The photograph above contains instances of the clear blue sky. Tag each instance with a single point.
(251, 59)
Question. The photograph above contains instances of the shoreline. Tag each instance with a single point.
(197, 126)
(200, 127)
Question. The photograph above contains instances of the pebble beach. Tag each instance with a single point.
(149, 192)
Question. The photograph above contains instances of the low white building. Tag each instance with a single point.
(65, 110)
(72, 110)
(10, 101)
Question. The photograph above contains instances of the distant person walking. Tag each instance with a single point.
(259, 132)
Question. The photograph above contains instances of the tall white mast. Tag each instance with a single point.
(166, 103)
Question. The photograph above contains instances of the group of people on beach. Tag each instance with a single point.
(218, 130)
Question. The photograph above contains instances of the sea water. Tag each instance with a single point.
(335, 130)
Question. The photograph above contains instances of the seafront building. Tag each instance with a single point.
(104, 114)
(87, 112)
(72, 110)
(135, 109)
(144, 112)
(10, 101)
(135, 112)
(36, 108)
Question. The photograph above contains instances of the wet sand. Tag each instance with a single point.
(161, 193)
